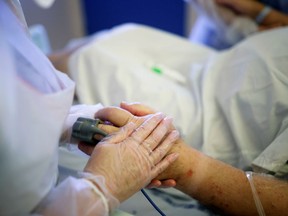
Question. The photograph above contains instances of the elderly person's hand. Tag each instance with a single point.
(138, 109)
(115, 117)
(130, 158)
(136, 113)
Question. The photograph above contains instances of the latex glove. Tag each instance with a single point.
(130, 158)
(139, 109)
(137, 112)
(115, 117)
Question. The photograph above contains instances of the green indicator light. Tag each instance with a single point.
(156, 70)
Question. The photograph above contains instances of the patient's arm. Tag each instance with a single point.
(252, 9)
(222, 186)
(212, 182)
(60, 58)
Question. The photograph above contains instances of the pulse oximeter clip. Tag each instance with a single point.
(85, 130)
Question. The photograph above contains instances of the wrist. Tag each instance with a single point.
(261, 16)
(195, 174)
(176, 169)
(100, 188)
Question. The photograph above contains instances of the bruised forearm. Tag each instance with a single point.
(217, 184)
(227, 188)
(211, 182)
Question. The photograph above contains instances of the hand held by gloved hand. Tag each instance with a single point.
(130, 158)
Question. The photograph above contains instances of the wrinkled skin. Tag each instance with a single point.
(131, 157)
(136, 113)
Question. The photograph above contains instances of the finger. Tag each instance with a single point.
(137, 109)
(108, 128)
(155, 183)
(163, 164)
(164, 147)
(98, 137)
(158, 134)
(117, 116)
(120, 135)
(168, 183)
(146, 128)
(86, 148)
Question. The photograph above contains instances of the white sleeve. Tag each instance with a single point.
(75, 197)
(83, 110)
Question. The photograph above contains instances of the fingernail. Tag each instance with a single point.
(160, 115)
(175, 134)
(168, 119)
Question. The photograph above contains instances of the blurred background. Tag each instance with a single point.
(69, 19)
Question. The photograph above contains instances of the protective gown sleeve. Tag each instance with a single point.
(83, 196)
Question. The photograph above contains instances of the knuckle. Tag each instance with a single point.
(154, 139)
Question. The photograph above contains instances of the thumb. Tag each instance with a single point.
(137, 109)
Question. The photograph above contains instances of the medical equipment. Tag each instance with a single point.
(86, 129)
(263, 13)
(166, 71)
(257, 201)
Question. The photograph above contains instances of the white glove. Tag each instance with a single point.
(130, 158)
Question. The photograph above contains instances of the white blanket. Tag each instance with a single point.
(230, 105)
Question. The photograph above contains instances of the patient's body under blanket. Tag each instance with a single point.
(231, 105)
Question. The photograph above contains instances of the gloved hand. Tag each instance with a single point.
(140, 112)
(136, 113)
(139, 109)
(130, 158)
(117, 119)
